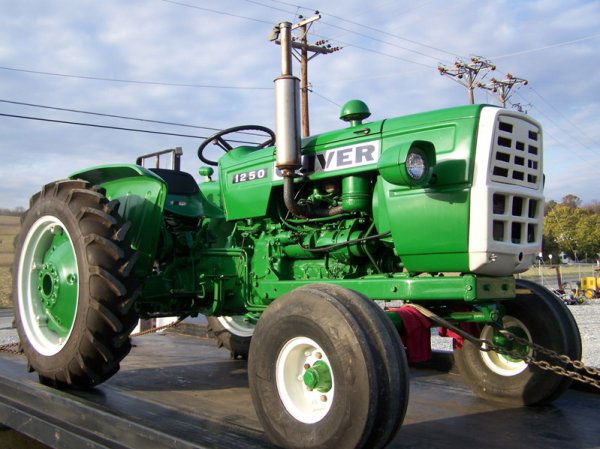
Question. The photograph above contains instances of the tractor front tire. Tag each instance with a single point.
(72, 285)
(390, 361)
(318, 375)
(541, 317)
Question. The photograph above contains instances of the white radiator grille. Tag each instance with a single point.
(516, 152)
(516, 218)
(507, 201)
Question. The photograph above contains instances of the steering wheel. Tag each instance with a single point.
(217, 139)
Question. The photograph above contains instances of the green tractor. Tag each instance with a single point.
(286, 253)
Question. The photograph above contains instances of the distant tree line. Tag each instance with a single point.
(15, 212)
(573, 228)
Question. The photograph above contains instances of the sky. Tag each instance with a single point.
(391, 50)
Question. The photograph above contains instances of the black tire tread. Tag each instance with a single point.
(109, 317)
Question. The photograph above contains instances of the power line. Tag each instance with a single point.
(559, 44)
(378, 40)
(325, 98)
(216, 11)
(93, 125)
(576, 153)
(566, 131)
(561, 113)
(321, 36)
(100, 114)
(399, 58)
(119, 80)
(562, 144)
(367, 27)
(352, 31)
(275, 8)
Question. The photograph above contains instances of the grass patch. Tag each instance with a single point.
(5, 286)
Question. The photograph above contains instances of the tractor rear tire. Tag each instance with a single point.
(72, 285)
(231, 333)
(313, 325)
(546, 321)
(390, 361)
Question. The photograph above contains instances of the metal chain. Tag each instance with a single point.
(8, 348)
(577, 364)
(486, 346)
(159, 328)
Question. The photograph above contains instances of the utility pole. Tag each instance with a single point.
(304, 52)
(466, 73)
(503, 87)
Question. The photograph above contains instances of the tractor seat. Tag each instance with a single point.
(178, 182)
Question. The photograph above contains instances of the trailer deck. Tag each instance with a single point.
(182, 392)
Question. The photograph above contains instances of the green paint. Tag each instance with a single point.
(402, 287)
(318, 377)
(355, 111)
(393, 163)
(233, 248)
(142, 196)
(356, 194)
(56, 283)
(482, 313)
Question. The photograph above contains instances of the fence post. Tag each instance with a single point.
(558, 277)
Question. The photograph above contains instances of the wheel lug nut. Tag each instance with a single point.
(306, 365)
(323, 398)
(318, 355)
(306, 353)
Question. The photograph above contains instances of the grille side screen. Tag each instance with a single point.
(516, 153)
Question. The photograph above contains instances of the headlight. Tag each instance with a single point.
(408, 164)
(415, 166)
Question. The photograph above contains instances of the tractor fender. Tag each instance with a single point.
(141, 199)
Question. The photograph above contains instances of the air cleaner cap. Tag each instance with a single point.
(355, 111)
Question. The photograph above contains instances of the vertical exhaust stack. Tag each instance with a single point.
(287, 108)
(287, 130)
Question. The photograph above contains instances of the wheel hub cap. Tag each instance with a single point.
(48, 287)
(305, 381)
(318, 377)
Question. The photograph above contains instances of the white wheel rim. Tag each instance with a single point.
(37, 241)
(497, 362)
(237, 325)
(306, 406)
